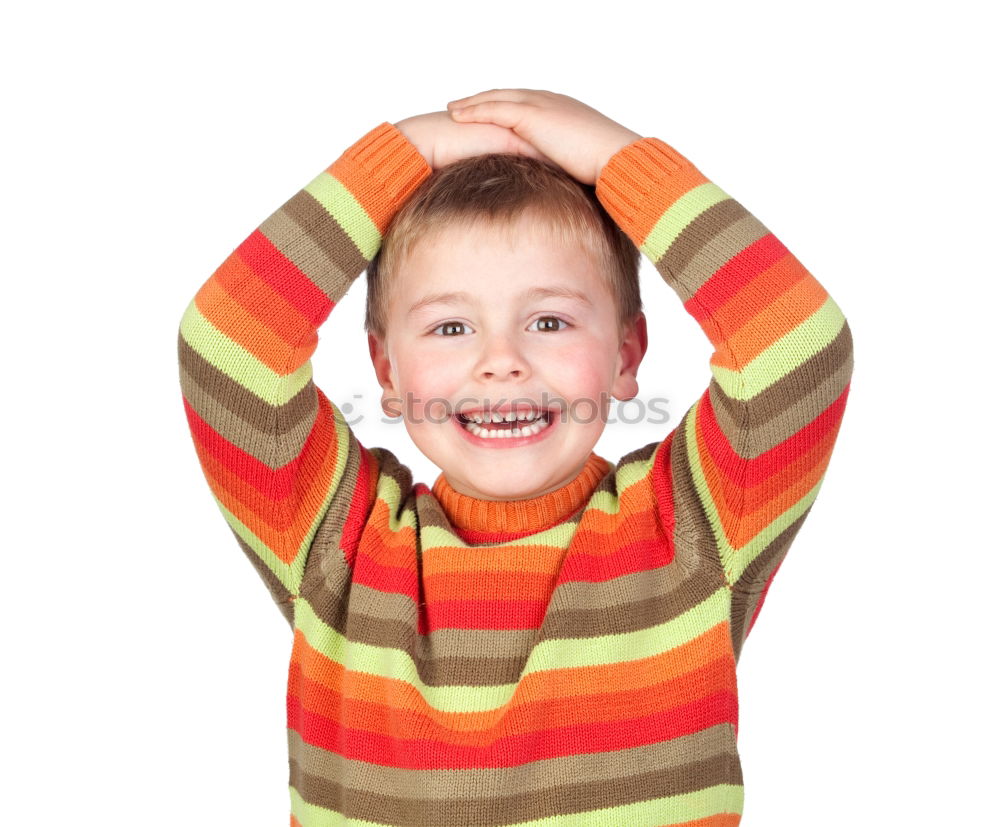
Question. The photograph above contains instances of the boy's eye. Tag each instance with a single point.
(550, 323)
(450, 328)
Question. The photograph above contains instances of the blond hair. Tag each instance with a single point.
(498, 188)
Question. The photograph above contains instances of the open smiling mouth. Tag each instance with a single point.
(505, 426)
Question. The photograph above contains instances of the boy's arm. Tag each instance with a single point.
(753, 450)
(274, 449)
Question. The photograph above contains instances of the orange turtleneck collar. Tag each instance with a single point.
(471, 514)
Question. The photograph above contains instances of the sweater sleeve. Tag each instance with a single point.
(276, 453)
(749, 456)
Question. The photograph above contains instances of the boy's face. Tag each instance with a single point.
(477, 322)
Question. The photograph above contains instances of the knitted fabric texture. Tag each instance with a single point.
(568, 661)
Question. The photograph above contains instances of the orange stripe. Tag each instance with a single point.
(244, 322)
(505, 584)
(640, 519)
(769, 323)
(395, 548)
(759, 511)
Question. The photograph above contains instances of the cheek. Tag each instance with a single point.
(582, 371)
(429, 386)
(581, 377)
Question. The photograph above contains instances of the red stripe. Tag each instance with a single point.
(273, 484)
(734, 275)
(751, 472)
(272, 267)
(596, 736)
(370, 572)
(361, 499)
(661, 478)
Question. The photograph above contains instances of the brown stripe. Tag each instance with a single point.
(629, 603)
(641, 454)
(273, 436)
(520, 793)
(706, 244)
(314, 241)
(788, 405)
(432, 515)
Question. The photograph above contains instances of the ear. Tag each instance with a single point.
(379, 353)
(630, 353)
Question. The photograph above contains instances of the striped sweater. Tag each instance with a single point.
(564, 661)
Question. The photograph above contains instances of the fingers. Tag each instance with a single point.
(502, 113)
(511, 95)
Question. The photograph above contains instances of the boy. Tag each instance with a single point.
(543, 636)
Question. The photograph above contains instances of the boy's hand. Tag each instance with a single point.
(442, 140)
(578, 138)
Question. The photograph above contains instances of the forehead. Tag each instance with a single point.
(477, 251)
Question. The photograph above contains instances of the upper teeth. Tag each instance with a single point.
(508, 417)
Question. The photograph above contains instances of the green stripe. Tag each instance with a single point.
(239, 364)
(340, 203)
(632, 473)
(677, 216)
(604, 501)
(605, 650)
(436, 537)
(803, 341)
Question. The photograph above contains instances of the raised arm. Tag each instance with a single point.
(754, 448)
(276, 453)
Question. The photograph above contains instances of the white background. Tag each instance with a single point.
(145, 663)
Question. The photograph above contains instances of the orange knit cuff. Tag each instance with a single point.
(381, 169)
(637, 169)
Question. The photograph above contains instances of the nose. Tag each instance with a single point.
(501, 359)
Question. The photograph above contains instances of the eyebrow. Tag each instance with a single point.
(531, 293)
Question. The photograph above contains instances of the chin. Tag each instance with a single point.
(520, 490)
